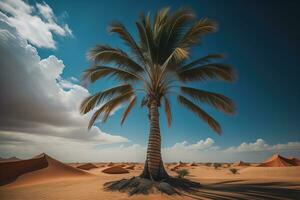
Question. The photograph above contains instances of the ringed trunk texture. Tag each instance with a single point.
(154, 168)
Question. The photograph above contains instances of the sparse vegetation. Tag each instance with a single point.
(182, 173)
(217, 165)
(233, 170)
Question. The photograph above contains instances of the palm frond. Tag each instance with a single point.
(92, 101)
(149, 39)
(99, 72)
(213, 71)
(89, 103)
(142, 36)
(175, 29)
(160, 19)
(200, 61)
(197, 30)
(128, 109)
(107, 54)
(178, 22)
(109, 106)
(120, 29)
(200, 113)
(219, 101)
(180, 54)
(168, 111)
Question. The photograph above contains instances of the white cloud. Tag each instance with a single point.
(36, 23)
(41, 108)
(200, 145)
(37, 99)
(26, 145)
(207, 151)
(46, 11)
(261, 145)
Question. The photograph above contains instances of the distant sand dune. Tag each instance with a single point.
(130, 167)
(115, 170)
(41, 168)
(87, 166)
(295, 161)
(278, 161)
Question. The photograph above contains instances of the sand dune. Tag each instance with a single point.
(115, 170)
(87, 166)
(295, 161)
(41, 168)
(277, 161)
(130, 167)
(249, 183)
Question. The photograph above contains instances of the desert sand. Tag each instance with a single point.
(40, 169)
(55, 180)
(130, 167)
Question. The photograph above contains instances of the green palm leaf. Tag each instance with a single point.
(99, 72)
(128, 109)
(200, 113)
(106, 54)
(197, 30)
(109, 106)
(92, 101)
(213, 71)
(219, 101)
(200, 61)
(120, 29)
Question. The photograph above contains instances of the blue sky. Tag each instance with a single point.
(256, 40)
(259, 38)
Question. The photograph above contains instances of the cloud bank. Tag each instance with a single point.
(73, 150)
(36, 24)
(36, 102)
(261, 145)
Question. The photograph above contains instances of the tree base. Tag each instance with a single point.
(139, 185)
(161, 175)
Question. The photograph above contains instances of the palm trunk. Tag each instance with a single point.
(154, 168)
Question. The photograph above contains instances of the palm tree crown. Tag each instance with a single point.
(158, 66)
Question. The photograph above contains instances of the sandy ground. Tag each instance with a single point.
(249, 183)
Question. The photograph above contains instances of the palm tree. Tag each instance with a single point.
(156, 68)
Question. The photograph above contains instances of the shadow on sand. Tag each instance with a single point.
(225, 190)
(228, 191)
